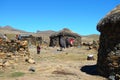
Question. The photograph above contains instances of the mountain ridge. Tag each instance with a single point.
(45, 34)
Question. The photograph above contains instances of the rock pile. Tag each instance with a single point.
(91, 45)
(13, 46)
(109, 48)
(11, 51)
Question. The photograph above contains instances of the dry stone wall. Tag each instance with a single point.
(67, 34)
(108, 63)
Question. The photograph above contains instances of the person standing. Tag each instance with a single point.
(18, 37)
(38, 49)
(62, 42)
(5, 37)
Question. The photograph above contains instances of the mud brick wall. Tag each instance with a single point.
(109, 48)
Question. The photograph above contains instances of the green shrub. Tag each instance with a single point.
(17, 74)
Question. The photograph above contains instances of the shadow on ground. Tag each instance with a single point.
(90, 69)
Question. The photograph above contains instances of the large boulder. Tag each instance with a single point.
(108, 63)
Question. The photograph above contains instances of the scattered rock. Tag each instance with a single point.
(90, 57)
(32, 69)
(29, 60)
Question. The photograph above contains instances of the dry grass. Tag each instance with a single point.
(53, 65)
(17, 74)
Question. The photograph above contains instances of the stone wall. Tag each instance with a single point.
(54, 38)
(108, 62)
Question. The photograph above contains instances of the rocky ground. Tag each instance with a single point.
(70, 64)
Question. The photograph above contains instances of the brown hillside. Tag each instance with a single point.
(10, 31)
(91, 37)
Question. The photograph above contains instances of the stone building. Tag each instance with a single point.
(32, 39)
(54, 38)
(108, 62)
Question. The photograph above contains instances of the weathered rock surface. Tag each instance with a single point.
(109, 49)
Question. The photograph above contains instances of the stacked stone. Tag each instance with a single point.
(108, 63)
(14, 46)
(91, 45)
(11, 51)
(54, 38)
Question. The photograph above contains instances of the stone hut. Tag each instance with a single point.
(108, 62)
(54, 38)
(32, 39)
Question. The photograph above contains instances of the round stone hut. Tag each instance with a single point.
(68, 34)
(108, 62)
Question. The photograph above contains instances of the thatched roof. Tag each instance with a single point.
(113, 17)
(65, 32)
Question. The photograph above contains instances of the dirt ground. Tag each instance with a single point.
(69, 64)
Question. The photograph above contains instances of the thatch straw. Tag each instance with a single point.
(112, 17)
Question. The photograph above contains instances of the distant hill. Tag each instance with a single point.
(90, 37)
(45, 34)
(49, 32)
(10, 30)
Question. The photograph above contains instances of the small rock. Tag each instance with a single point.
(32, 69)
(111, 77)
(90, 57)
(30, 61)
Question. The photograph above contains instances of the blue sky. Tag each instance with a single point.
(80, 16)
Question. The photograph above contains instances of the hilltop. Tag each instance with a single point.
(10, 30)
